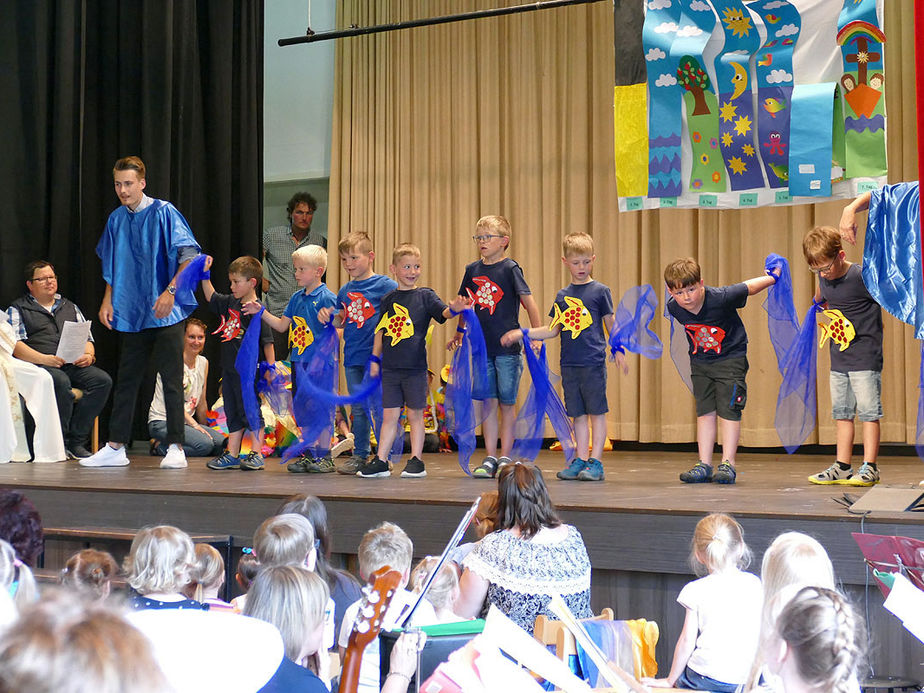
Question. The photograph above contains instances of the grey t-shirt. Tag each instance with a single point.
(856, 332)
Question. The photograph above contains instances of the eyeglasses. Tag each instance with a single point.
(44, 279)
(825, 269)
(481, 239)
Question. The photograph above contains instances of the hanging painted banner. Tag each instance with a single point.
(630, 100)
(722, 78)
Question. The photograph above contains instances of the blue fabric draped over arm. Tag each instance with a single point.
(188, 280)
(796, 404)
(314, 416)
(680, 350)
(246, 366)
(631, 331)
(919, 433)
(782, 321)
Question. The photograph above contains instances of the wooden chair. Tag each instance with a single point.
(552, 632)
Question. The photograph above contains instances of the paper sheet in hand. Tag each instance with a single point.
(73, 342)
(907, 602)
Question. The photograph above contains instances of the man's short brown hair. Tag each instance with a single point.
(682, 272)
(821, 245)
(130, 163)
(247, 267)
(355, 240)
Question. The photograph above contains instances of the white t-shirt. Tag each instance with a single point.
(369, 669)
(727, 607)
(193, 380)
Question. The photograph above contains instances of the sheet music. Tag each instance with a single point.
(73, 342)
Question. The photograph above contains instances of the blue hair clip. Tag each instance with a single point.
(247, 550)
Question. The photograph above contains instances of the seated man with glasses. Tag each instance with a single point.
(38, 318)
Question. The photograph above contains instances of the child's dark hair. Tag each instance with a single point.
(248, 267)
(247, 568)
(682, 272)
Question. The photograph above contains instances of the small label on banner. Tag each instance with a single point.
(747, 200)
(815, 184)
(633, 204)
(865, 186)
(783, 196)
(807, 169)
(668, 202)
(708, 200)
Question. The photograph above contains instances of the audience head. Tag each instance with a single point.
(21, 526)
(66, 645)
(16, 578)
(523, 500)
(818, 641)
(41, 280)
(486, 514)
(247, 568)
(90, 572)
(445, 586)
(794, 559)
(300, 208)
(385, 545)
(294, 600)
(208, 575)
(718, 544)
(161, 560)
(194, 339)
(312, 509)
(286, 539)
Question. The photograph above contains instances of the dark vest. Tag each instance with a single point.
(43, 329)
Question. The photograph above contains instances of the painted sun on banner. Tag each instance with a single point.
(739, 103)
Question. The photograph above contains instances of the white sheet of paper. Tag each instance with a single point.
(73, 342)
(907, 602)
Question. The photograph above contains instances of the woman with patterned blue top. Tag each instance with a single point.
(530, 557)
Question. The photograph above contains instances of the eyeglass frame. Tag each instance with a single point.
(485, 237)
(823, 270)
(44, 280)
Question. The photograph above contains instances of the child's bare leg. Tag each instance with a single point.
(508, 419)
(489, 426)
(582, 436)
(389, 431)
(731, 433)
(705, 436)
(598, 426)
(415, 419)
(234, 442)
(870, 441)
(844, 436)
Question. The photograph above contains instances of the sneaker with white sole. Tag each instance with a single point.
(867, 475)
(835, 474)
(342, 446)
(174, 459)
(106, 456)
(375, 469)
(487, 469)
(414, 469)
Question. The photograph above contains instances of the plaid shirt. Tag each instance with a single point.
(278, 246)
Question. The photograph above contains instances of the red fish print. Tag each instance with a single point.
(229, 329)
(359, 309)
(706, 337)
(488, 295)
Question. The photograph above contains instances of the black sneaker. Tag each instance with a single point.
(725, 474)
(701, 473)
(77, 452)
(374, 469)
(414, 469)
(303, 465)
(487, 469)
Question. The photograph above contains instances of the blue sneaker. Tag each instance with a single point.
(725, 474)
(252, 461)
(571, 472)
(593, 471)
(226, 461)
(700, 474)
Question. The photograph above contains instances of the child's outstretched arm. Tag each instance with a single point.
(619, 357)
(537, 333)
(207, 288)
(278, 324)
(325, 315)
(456, 306)
(758, 284)
(376, 364)
(456, 340)
(686, 643)
(848, 225)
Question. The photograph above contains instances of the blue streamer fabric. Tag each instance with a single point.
(314, 416)
(796, 404)
(246, 366)
(276, 388)
(631, 331)
(919, 433)
(680, 350)
(188, 280)
(782, 321)
(470, 357)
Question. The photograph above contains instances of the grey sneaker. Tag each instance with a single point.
(725, 474)
(867, 475)
(571, 472)
(834, 474)
(593, 471)
(701, 473)
(352, 465)
(252, 461)
(487, 469)
(306, 464)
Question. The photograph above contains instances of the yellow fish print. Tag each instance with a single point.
(300, 335)
(839, 330)
(575, 319)
(397, 326)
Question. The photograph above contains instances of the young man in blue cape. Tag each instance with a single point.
(143, 249)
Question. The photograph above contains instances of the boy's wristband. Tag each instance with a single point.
(460, 329)
(818, 303)
(772, 276)
(375, 359)
(452, 312)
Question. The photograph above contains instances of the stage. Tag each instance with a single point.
(637, 524)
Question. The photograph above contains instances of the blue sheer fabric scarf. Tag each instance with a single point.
(470, 357)
(631, 331)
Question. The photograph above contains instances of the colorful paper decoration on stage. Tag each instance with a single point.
(747, 104)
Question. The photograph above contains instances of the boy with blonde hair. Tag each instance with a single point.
(359, 300)
(583, 353)
(406, 315)
(855, 332)
(718, 360)
(496, 285)
(384, 546)
(244, 274)
(303, 323)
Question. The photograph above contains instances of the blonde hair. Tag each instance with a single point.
(285, 539)
(403, 249)
(208, 572)
(496, 225)
(486, 514)
(90, 572)
(66, 645)
(311, 255)
(682, 272)
(291, 598)
(821, 244)
(386, 545)
(718, 544)
(445, 585)
(577, 243)
(358, 241)
(825, 636)
(161, 559)
(13, 571)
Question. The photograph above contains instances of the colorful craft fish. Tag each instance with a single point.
(780, 171)
(773, 106)
(359, 309)
(575, 319)
(488, 294)
(300, 335)
(231, 328)
(766, 61)
(706, 337)
(398, 326)
(839, 330)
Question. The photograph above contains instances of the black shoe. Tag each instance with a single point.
(374, 469)
(414, 469)
(78, 452)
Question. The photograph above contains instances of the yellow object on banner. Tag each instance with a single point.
(630, 111)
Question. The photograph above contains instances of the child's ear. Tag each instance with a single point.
(564, 260)
(253, 282)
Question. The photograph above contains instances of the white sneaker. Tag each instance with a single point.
(174, 459)
(342, 446)
(106, 456)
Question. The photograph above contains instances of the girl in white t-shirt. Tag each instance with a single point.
(722, 625)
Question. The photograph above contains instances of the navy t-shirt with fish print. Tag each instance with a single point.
(496, 291)
(716, 331)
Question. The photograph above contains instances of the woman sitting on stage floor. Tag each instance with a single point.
(530, 557)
